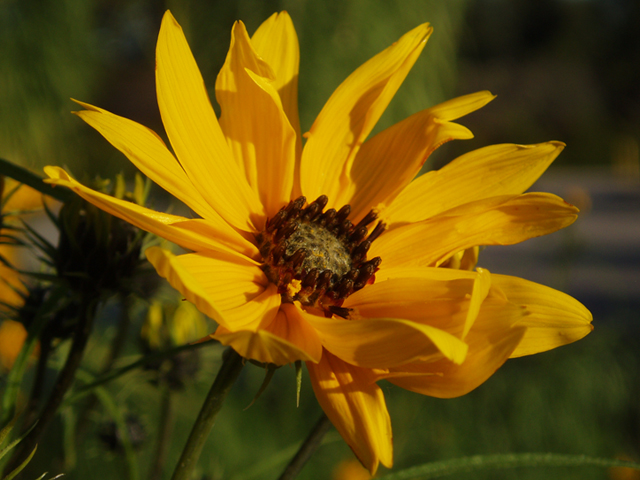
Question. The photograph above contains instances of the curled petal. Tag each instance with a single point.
(384, 342)
(262, 345)
(356, 406)
(253, 120)
(489, 347)
(277, 43)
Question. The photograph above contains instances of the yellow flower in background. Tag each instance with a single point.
(330, 253)
(169, 325)
(16, 199)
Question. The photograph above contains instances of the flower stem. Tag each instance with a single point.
(164, 434)
(308, 447)
(63, 382)
(229, 371)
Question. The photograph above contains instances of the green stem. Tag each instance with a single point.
(64, 381)
(308, 448)
(164, 435)
(116, 348)
(229, 371)
(117, 373)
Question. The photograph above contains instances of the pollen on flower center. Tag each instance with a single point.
(317, 257)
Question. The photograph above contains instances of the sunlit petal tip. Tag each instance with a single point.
(461, 106)
(553, 318)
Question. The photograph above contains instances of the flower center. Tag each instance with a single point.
(316, 257)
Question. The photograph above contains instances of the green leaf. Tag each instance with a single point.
(271, 369)
(20, 467)
(33, 180)
(17, 440)
(502, 461)
(298, 381)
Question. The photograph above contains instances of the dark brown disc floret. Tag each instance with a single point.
(318, 257)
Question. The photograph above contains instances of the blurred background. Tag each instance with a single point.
(564, 70)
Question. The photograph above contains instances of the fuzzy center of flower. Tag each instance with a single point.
(317, 257)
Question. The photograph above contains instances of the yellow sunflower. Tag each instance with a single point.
(330, 253)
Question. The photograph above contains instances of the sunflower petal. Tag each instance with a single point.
(504, 220)
(262, 346)
(254, 122)
(386, 164)
(480, 291)
(490, 171)
(146, 150)
(489, 348)
(356, 406)
(384, 342)
(237, 287)
(168, 266)
(291, 326)
(195, 134)
(554, 318)
(277, 43)
(161, 224)
(351, 113)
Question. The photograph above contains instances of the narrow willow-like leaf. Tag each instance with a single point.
(32, 180)
(271, 369)
(6, 449)
(20, 467)
(298, 381)
(503, 461)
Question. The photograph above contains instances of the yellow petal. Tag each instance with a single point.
(256, 127)
(195, 134)
(265, 346)
(147, 151)
(554, 318)
(277, 43)
(12, 337)
(489, 347)
(389, 161)
(22, 197)
(161, 224)
(490, 171)
(291, 326)
(480, 291)
(168, 266)
(352, 111)
(504, 220)
(356, 406)
(236, 288)
(430, 296)
(11, 287)
(384, 342)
